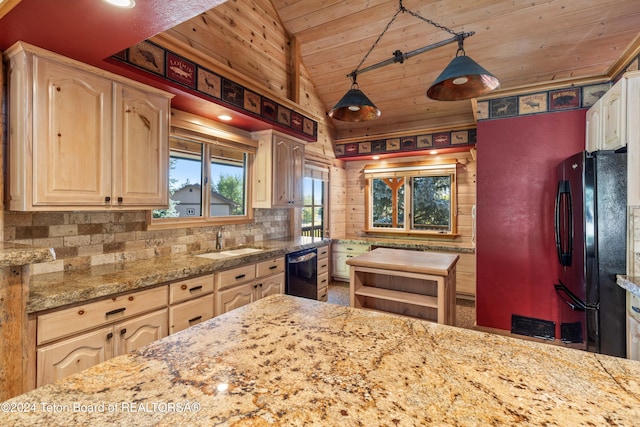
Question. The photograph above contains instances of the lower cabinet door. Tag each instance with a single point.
(235, 297)
(140, 331)
(186, 314)
(270, 286)
(73, 355)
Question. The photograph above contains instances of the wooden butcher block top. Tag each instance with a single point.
(435, 263)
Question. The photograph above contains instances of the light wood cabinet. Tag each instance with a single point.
(279, 170)
(594, 128)
(323, 273)
(82, 138)
(191, 302)
(190, 313)
(633, 140)
(614, 118)
(76, 338)
(243, 285)
(72, 355)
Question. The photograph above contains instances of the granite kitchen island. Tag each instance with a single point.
(291, 362)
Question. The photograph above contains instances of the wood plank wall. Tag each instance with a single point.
(347, 195)
(248, 38)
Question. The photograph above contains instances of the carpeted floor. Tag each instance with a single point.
(465, 309)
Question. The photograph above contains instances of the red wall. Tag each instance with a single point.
(516, 184)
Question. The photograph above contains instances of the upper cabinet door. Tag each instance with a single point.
(614, 117)
(141, 152)
(71, 136)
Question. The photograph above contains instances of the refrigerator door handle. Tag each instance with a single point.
(570, 298)
(564, 215)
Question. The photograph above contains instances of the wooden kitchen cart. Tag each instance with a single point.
(411, 283)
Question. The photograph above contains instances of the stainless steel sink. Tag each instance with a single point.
(229, 253)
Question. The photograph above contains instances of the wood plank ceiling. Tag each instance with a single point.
(525, 43)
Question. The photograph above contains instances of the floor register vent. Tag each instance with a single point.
(529, 326)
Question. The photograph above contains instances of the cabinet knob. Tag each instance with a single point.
(109, 335)
(119, 199)
(107, 199)
(183, 287)
(123, 331)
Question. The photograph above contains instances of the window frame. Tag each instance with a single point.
(407, 171)
(317, 172)
(211, 134)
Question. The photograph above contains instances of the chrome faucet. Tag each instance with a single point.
(219, 240)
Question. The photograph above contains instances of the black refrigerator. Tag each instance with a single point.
(590, 234)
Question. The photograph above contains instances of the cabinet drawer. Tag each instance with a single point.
(351, 248)
(323, 251)
(187, 289)
(69, 321)
(323, 294)
(267, 268)
(190, 313)
(235, 276)
(323, 266)
(323, 280)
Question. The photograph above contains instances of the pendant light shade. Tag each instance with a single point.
(354, 107)
(462, 79)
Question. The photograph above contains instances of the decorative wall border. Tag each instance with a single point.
(170, 66)
(542, 102)
(418, 142)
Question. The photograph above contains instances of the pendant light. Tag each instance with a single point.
(463, 78)
(354, 106)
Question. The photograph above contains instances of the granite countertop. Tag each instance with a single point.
(289, 361)
(630, 283)
(54, 290)
(399, 243)
(15, 254)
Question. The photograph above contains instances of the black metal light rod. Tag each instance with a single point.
(400, 57)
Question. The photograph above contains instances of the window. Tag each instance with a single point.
(209, 177)
(411, 198)
(315, 196)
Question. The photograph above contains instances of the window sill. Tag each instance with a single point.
(421, 234)
(167, 223)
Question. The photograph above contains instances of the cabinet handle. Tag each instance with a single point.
(123, 331)
(116, 311)
(195, 319)
(195, 288)
(273, 267)
(107, 199)
(323, 281)
(240, 276)
(119, 199)
(110, 335)
(255, 286)
(323, 265)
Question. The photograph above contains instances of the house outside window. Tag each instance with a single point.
(411, 199)
(315, 190)
(209, 177)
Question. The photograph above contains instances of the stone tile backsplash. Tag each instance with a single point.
(85, 239)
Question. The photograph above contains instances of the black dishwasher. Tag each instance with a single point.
(302, 274)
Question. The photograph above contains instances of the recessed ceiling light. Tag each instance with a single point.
(224, 117)
(125, 4)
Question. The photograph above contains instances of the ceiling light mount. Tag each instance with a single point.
(463, 78)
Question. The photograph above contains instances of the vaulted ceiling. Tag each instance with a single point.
(525, 43)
